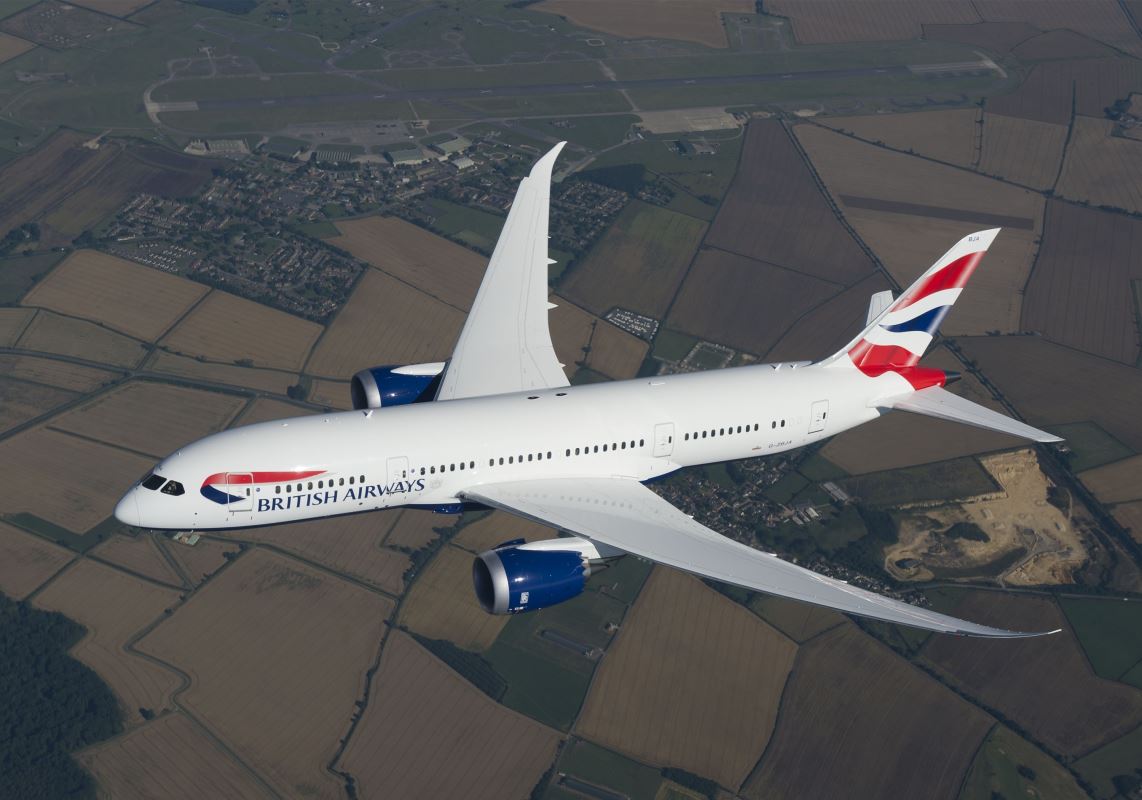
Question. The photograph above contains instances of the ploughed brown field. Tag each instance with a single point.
(427, 732)
(1044, 684)
(265, 380)
(49, 332)
(859, 721)
(21, 401)
(442, 604)
(1102, 169)
(689, 20)
(831, 21)
(1025, 151)
(26, 561)
(139, 554)
(692, 680)
(950, 135)
(1079, 293)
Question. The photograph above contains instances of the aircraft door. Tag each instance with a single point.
(663, 439)
(817, 416)
(397, 469)
(240, 488)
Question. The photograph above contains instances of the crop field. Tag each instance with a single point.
(60, 374)
(332, 394)
(266, 380)
(1058, 44)
(227, 637)
(12, 46)
(229, 328)
(114, 607)
(66, 480)
(203, 559)
(385, 321)
(416, 528)
(20, 401)
(265, 409)
(60, 26)
(773, 193)
(1116, 483)
(835, 21)
(689, 20)
(350, 544)
(799, 621)
(943, 481)
(614, 352)
(429, 262)
(1079, 293)
(1101, 169)
(1129, 516)
(428, 733)
(1025, 151)
(172, 758)
(499, 527)
(588, 762)
(904, 735)
(829, 326)
(1001, 767)
(26, 561)
(139, 554)
(638, 263)
(692, 681)
(951, 135)
(995, 37)
(1051, 384)
(12, 324)
(1090, 445)
(136, 300)
(744, 303)
(152, 418)
(1085, 711)
(442, 604)
(1103, 765)
(116, 8)
(1103, 20)
(51, 333)
(1110, 632)
(1046, 93)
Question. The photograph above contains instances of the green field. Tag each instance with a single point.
(19, 273)
(818, 468)
(623, 580)
(591, 132)
(785, 488)
(1009, 766)
(1110, 632)
(474, 227)
(799, 621)
(600, 767)
(1090, 445)
(1121, 760)
(943, 481)
(671, 345)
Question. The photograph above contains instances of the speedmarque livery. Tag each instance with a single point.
(498, 425)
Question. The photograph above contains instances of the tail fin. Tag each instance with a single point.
(895, 340)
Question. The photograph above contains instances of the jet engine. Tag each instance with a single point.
(395, 385)
(517, 576)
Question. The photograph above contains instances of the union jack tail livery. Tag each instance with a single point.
(896, 339)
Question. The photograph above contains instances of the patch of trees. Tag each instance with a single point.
(967, 530)
(50, 705)
(25, 234)
(703, 786)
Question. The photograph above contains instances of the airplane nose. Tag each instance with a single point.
(127, 511)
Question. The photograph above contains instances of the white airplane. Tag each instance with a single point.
(499, 426)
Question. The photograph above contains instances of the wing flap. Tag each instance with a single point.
(940, 403)
(625, 514)
(505, 345)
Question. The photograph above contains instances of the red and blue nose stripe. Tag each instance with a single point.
(211, 492)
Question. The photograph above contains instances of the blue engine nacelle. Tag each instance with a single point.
(515, 576)
(395, 386)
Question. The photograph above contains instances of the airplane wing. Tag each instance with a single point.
(506, 343)
(623, 513)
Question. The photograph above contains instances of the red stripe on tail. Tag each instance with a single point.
(953, 276)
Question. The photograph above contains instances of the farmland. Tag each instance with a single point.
(133, 299)
(943, 481)
(125, 606)
(152, 418)
(1079, 292)
(66, 480)
(286, 721)
(744, 303)
(689, 20)
(828, 21)
(1129, 515)
(224, 327)
(139, 554)
(201, 560)
(497, 528)
(773, 193)
(951, 136)
(1085, 712)
(1025, 151)
(12, 324)
(442, 604)
(427, 733)
(116, 8)
(265, 409)
(1101, 169)
(638, 263)
(431, 263)
(72, 377)
(799, 621)
(675, 689)
(12, 46)
(1103, 20)
(1010, 766)
(904, 735)
(416, 528)
(1118, 482)
(20, 401)
(265, 380)
(1110, 634)
(172, 758)
(65, 336)
(385, 321)
(331, 394)
(1119, 758)
(823, 329)
(613, 352)
(26, 561)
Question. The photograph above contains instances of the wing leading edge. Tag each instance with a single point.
(505, 345)
(625, 514)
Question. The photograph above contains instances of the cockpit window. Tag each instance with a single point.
(173, 487)
(153, 481)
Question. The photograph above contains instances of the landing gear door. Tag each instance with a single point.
(818, 415)
(663, 439)
(240, 488)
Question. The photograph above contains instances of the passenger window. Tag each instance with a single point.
(471, 465)
(309, 486)
(289, 488)
(782, 423)
(641, 442)
(597, 448)
(175, 488)
(604, 448)
(774, 424)
(430, 469)
(624, 447)
(511, 459)
(568, 452)
(350, 482)
(153, 481)
(548, 455)
(576, 451)
(451, 467)
(461, 466)
(501, 461)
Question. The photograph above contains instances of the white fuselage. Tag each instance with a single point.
(427, 454)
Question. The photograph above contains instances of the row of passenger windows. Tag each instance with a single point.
(730, 431)
(540, 456)
(322, 484)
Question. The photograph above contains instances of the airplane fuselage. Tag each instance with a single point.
(426, 454)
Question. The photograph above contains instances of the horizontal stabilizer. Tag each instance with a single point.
(877, 304)
(937, 402)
